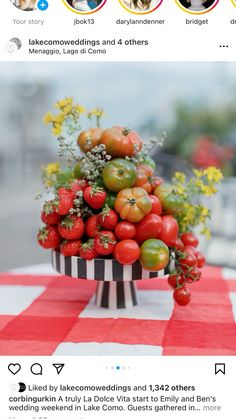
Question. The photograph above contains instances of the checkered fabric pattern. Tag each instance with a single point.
(56, 315)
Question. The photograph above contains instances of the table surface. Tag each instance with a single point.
(42, 313)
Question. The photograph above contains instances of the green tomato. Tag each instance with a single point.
(170, 201)
(78, 174)
(150, 162)
(119, 174)
(154, 255)
(110, 200)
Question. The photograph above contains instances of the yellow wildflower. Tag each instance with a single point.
(67, 110)
(179, 189)
(48, 183)
(213, 174)
(205, 213)
(57, 129)
(96, 112)
(208, 190)
(52, 168)
(180, 177)
(189, 213)
(198, 173)
(80, 109)
(206, 232)
(48, 118)
(60, 117)
(64, 103)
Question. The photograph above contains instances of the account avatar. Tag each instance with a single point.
(198, 5)
(85, 6)
(26, 5)
(141, 6)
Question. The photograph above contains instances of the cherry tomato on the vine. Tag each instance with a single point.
(182, 296)
(175, 280)
(188, 260)
(193, 275)
(201, 260)
(178, 244)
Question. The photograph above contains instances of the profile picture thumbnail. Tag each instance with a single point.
(26, 5)
(85, 6)
(141, 6)
(198, 5)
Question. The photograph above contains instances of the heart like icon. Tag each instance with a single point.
(14, 368)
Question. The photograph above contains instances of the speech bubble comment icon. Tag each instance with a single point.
(36, 369)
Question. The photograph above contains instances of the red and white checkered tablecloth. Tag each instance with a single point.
(56, 315)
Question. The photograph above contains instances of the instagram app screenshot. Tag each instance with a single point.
(117, 209)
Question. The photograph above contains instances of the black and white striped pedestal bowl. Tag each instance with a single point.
(116, 283)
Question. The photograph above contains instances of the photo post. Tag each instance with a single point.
(117, 215)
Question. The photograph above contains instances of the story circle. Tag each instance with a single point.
(84, 7)
(25, 5)
(197, 7)
(132, 6)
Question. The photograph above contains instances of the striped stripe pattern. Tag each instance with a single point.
(114, 295)
(103, 269)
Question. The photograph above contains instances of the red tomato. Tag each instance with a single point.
(149, 228)
(201, 260)
(170, 230)
(127, 252)
(189, 239)
(188, 261)
(125, 230)
(178, 244)
(156, 205)
(175, 280)
(121, 142)
(89, 139)
(191, 249)
(193, 275)
(182, 296)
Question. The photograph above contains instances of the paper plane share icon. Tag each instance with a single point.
(59, 367)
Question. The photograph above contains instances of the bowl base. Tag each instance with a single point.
(114, 295)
